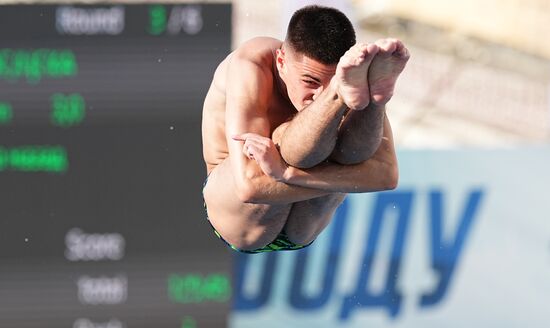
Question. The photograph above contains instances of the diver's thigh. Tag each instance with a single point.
(308, 218)
(245, 226)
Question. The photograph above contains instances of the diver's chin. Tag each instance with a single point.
(299, 106)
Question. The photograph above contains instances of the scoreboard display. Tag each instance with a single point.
(101, 218)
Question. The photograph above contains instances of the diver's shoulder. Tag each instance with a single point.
(258, 49)
(263, 41)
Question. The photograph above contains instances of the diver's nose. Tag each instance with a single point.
(317, 92)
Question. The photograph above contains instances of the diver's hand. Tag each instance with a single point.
(264, 151)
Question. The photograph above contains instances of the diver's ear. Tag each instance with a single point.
(280, 59)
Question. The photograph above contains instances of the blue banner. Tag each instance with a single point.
(464, 241)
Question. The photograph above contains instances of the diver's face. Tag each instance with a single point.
(303, 77)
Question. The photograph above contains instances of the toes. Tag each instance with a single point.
(372, 48)
(387, 46)
(402, 51)
(370, 51)
(381, 43)
(365, 49)
(358, 55)
(347, 61)
(360, 47)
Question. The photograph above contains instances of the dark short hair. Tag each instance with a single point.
(321, 33)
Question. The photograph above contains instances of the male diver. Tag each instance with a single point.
(290, 127)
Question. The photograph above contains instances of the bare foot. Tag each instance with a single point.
(351, 74)
(385, 68)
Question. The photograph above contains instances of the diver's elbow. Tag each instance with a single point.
(245, 191)
(247, 188)
(392, 177)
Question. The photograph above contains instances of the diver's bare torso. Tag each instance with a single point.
(260, 51)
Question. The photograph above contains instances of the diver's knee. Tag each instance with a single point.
(250, 241)
(301, 237)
